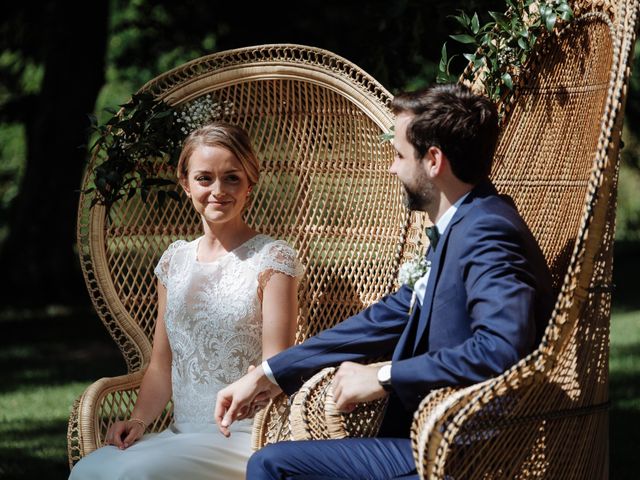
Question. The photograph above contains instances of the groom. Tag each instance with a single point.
(482, 305)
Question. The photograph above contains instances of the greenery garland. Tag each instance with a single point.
(502, 46)
(144, 131)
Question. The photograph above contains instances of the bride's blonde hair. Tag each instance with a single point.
(225, 135)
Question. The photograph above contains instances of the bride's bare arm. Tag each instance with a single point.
(279, 313)
(155, 389)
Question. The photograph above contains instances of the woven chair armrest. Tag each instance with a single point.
(433, 408)
(88, 425)
(271, 424)
(493, 416)
(314, 415)
(104, 402)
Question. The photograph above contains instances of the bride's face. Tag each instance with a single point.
(217, 184)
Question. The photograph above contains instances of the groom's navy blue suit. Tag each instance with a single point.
(486, 305)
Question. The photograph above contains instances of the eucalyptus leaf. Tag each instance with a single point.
(442, 66)
(522, 43)
(499, 18)
(443, 53)
(442, 77)
(464, 38)
(475, 23)
(550, 22)
(507, 80)
(566, 16)
(565, 7)
(461, 20)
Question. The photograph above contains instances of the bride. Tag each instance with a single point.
(225, 301)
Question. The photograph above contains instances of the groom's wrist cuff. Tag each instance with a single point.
(268, 373)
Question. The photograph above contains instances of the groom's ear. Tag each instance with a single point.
(434, 161)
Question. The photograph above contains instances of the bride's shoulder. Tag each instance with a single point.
(267, 245)
(279, 255)
(178, 245)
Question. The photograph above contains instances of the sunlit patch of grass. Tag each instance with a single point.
(624, 388)
(33, 422)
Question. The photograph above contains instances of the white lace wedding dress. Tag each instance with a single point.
(214, 323)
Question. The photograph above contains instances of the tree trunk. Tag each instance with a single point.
(38, 262)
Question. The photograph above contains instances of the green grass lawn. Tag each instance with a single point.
(624, 391)
(46, 362)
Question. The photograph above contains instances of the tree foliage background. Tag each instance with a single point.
(55, 71)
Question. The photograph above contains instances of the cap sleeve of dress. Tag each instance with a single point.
(279, 256)
(162, 268)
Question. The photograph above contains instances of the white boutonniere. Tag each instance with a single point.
(410, 273)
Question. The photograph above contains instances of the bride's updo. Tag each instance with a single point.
(225, 135)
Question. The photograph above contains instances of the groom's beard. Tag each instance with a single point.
(420, 195)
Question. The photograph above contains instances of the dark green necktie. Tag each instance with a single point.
(433, 234)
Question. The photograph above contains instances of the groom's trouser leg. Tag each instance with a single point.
(351, 458)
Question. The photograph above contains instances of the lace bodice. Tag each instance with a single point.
(214, 319)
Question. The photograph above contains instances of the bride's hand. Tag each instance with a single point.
(258, 403)
(249, 411)
(123, 434)
(235, 401)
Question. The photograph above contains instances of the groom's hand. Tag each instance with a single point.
(236, 400)
(354, 383)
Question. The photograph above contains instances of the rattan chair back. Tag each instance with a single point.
(558, 158)
(315, 120)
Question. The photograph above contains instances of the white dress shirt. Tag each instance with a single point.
(420, 286)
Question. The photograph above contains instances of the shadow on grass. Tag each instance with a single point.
(40, 352)
(39, 451)
(624, 436)
(626, 265)
(624, 417)
(54, 351)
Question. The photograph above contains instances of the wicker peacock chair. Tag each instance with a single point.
(547, 416)
(315, 120)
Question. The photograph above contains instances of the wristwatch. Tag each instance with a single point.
(384, 377)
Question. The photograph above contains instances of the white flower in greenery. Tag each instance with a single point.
(411, 272)
(202, 111)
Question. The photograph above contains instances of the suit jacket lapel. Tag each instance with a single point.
(404, 347)
(427, 301)
(420, 341)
